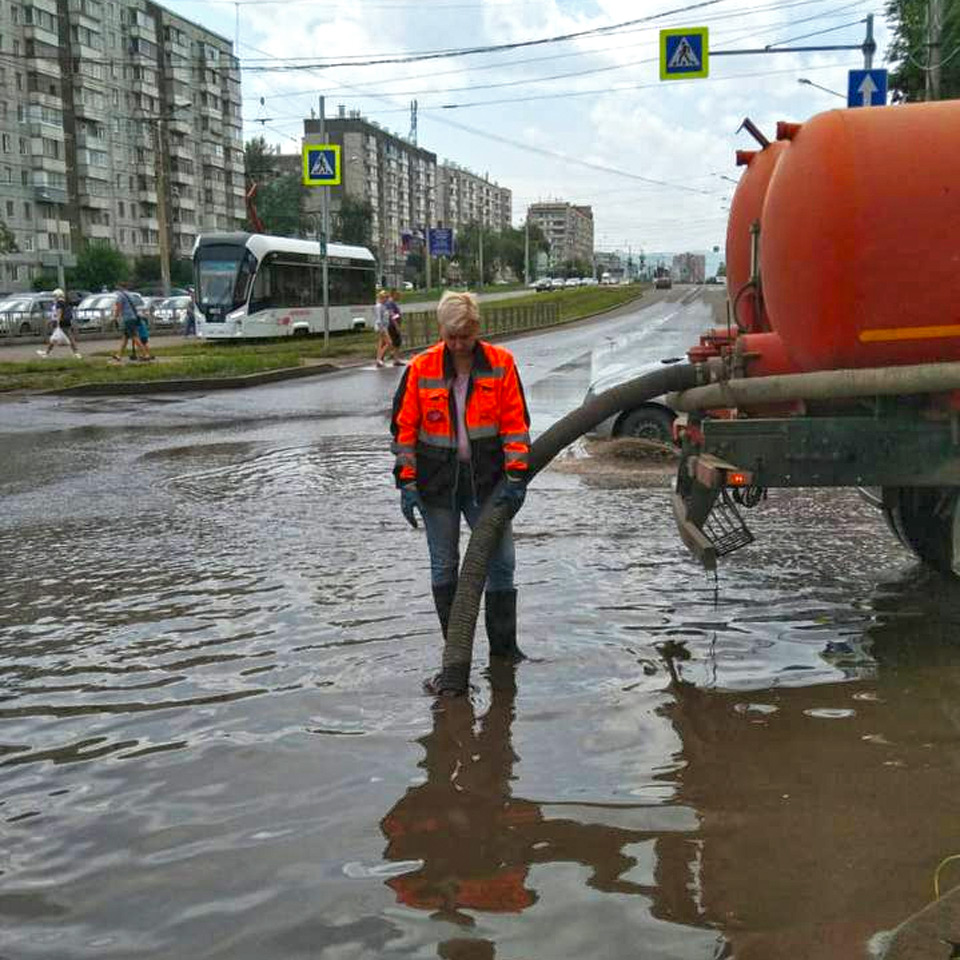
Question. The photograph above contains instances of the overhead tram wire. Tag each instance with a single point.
(476, 67)
(377, 60)
(572, 160)
(552, 154)
(528, 80)
(434, 109)
(382, 60)
(562, 76)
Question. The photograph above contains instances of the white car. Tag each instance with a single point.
(26, 314)
(652, 420)
(572, 282)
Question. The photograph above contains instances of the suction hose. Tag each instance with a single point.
(458, 649)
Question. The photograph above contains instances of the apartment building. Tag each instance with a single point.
(398, 178)
(568, 229)
(464, 197)
(118, 119)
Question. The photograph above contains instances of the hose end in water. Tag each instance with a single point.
(452, 681)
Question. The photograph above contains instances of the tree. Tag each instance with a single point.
(8, 242)
(100, 264)
(353, 222)
(910, 52)
(278, 195)
(258, 160)
(511, 247)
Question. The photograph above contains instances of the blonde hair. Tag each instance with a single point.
(459, 314)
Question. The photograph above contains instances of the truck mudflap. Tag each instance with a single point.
(707, 517)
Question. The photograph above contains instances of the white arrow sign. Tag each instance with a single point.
(866, 90)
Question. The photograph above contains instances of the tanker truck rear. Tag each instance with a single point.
(840, 361)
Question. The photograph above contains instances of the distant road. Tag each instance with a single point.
(482, 297)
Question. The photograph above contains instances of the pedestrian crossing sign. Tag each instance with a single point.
(684, 53)
(321, 164)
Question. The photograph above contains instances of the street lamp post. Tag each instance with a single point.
(810, 83)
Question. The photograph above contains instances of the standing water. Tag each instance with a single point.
(214, 743)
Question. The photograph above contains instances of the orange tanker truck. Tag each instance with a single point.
(840, 362)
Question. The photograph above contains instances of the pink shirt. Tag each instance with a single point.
(460, 385)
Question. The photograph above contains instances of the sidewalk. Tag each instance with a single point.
(26, 349)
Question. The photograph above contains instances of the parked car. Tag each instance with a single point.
(652, 420)
(588, 281)
(150, 305)
(557, 283)
(543, 284)
(96, 311)
(26, 314)
(171, 312)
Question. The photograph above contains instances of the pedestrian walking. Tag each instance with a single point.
(395, 315)
(190, 329)
(460, 425)
(125, 313)
(63, 333)
(381, 324)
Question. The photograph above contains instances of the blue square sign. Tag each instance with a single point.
(867, 88)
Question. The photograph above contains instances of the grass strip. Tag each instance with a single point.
(216, 359)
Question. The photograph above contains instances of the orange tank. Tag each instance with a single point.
(745, 208)
(859, 249)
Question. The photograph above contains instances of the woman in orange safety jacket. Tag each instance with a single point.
(460, 425)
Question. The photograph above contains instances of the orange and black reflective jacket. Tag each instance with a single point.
(424, 423)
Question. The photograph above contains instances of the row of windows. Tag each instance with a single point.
(281, 284)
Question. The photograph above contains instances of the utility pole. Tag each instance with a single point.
(324, 236)
(869, 44)
(164, 236)
(426, 249)
(526, 251)
(934, 31)
(480, 234)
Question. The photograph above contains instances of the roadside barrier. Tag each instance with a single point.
(420, 326)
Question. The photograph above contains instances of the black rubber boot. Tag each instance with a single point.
(500, 610)
(443, 601)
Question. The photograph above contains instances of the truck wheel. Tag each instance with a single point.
(647, 423)
(926, 520)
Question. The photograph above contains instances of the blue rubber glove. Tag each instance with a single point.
(512, 493)
(410, 501)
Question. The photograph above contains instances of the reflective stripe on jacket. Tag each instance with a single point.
(424, 422)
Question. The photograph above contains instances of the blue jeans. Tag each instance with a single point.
(443, 541)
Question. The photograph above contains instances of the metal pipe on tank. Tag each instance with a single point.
(925, 378)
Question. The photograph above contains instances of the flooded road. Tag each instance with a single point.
(213, 629)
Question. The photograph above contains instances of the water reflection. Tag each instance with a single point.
(824, 809)
(474, 843)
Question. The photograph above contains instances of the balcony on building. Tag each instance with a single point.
(45, 194)
(94, 200)
(98, 231)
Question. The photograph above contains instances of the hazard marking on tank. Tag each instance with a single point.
(880, 334)
(684, 56)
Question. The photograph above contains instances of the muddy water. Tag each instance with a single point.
(214, 746)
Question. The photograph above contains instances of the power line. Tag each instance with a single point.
(490, 48)
(475, 67)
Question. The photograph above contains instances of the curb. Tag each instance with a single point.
(200, 384)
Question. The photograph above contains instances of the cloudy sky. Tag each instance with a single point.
(652, 155)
